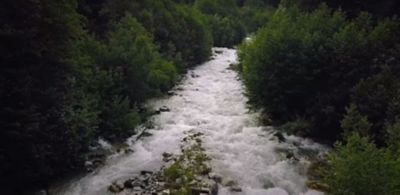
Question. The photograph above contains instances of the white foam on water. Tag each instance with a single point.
(211, 101)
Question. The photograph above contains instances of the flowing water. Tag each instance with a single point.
(210, 100)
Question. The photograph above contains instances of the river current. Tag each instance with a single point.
(211, 100)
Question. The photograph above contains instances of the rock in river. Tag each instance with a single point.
(115, 188)
(164, 109)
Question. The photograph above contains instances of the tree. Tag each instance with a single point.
(36, 37)
(358, 167)
(313, 64)
(353, 121)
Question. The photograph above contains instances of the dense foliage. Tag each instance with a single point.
(74, 71)
(333, 75)
(230, 21)
(310, 66)
(180, 31)
(36, 40)
(380, 8)
(359, 167)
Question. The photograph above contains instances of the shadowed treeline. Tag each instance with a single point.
(333, 75)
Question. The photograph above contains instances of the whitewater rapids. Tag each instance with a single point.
(211, 100)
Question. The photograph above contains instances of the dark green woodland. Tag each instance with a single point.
(74, 71)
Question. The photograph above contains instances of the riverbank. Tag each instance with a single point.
(210, 101)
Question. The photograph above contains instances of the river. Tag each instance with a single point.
(211, 100)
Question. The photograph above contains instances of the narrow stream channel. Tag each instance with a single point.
(211, 100)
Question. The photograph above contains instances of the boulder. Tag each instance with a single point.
(165, 192)
(268, 184)
(209, 187)
(315, 185)
(146, 134)
(88, 164)
(290, 155)
(229, 183)
(193, 75)
(128, 183)
(144, 172)
(235, 188)
(137, 188)
(142, 109)
(280, 137)
(97, 162)
(128, 151)
(199, 191)
(164, 109)
(167, 157)
(215, 177)
(198, 140)
(115, 188)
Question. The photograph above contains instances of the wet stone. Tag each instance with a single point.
(229, 183)
(215, 177)
(167, 157)
(137, 188)
(165, 192)
(144, 172)
(235, 189)
(193, 75)
(268, 184)
(204, 170)
(115, 188)
(128, 184)
(146, 134)
(280, 137)
(164, 109)
(128, 151)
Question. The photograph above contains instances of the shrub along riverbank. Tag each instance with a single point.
(325, 75)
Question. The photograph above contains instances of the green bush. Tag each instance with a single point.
(217, 7)
(255, 17)
(193, 38)
(73, 71)
(376, 97)
(36, 144)
(307, 64)
(132, 53)
(353, 121)
(360, 168)
(227, 31)
(119, 119)
(393, 138)
(180, 31)
(297, 127)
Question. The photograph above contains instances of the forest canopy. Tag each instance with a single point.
(333, 75)
(76, 71)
